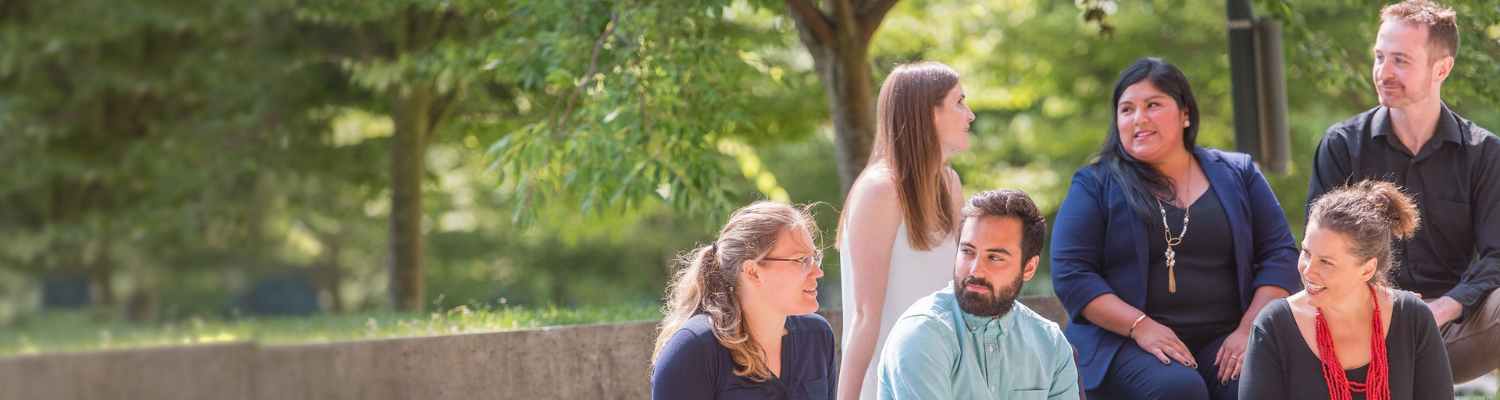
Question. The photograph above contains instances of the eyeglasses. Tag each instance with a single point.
(808, 263)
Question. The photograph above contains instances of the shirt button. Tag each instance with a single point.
(992, 388)
(992, 348)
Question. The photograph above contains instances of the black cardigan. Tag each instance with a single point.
(1280, 365)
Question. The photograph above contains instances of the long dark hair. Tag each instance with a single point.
(1142, 183)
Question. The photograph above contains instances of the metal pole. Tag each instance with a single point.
(1242, 75)
(1275, 140)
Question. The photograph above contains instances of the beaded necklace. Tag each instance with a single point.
(1377, 384)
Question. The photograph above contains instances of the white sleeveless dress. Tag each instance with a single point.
(914, 274)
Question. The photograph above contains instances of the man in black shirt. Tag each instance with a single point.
(1449, 164)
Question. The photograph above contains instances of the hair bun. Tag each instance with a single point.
(1395, 205)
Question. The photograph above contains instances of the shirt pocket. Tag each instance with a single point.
(1028, 394)
(1452, 228)
(816, 390)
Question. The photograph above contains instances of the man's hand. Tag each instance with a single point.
(1445, 309)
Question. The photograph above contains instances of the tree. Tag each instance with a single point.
(111, 142)
(838, 39)
(324, 191)
(642, 95)
(1334, 49)
(420, 57)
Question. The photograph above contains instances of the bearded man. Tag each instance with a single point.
(974, 340)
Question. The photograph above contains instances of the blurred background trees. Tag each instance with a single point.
(162, 159)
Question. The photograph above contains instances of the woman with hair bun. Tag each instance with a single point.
(739, 315)
(1349, 334)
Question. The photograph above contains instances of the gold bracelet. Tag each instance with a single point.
(1132, 326)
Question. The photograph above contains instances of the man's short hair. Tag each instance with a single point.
(1440, 21)
(1010, 203)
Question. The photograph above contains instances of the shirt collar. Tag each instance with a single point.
(975, 323)
(1447, 125)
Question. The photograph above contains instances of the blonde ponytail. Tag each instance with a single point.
(705, 282)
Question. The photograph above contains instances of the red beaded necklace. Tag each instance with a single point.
(1376, 385)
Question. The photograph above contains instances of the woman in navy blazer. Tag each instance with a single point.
(1158, 311)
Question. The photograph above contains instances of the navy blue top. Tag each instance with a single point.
(1101, 246)
(693, 365)
(1206, 305)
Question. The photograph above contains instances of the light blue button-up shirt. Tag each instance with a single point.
(937, 351)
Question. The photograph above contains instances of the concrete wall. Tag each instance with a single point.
(575, 362)
(197, 372)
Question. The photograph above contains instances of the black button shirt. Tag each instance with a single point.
(1455, 178)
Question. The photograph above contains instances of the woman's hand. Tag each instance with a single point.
(1231, 355)
(1159, 340)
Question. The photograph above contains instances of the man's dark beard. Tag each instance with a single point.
(981, 304)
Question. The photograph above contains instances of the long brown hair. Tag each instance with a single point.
(906, 142)
(1368, 214)
(705, 282)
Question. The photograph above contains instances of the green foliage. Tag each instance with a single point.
(1333, 50)
(105, 148)
(479, 254)
(401, 44)
(643, 91)
(191, 148)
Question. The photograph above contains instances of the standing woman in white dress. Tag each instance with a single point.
(896, 234)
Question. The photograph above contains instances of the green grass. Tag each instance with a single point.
(75, 331)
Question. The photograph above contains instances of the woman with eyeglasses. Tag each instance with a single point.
(896, 235)
(739, 316)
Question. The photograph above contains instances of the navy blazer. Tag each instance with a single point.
(1099, 246)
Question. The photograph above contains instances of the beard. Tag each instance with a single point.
(1403, 96)
(996, 303)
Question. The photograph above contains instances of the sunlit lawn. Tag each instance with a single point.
(74, 331)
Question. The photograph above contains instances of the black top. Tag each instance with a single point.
(1455, 179)
(1279, 364)
(1207, 303)
(693, 365)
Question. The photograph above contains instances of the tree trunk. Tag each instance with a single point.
(103, 268)
(845, 74)
(332, 275)
(412, 117)
(839, 42)
(102, 275)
